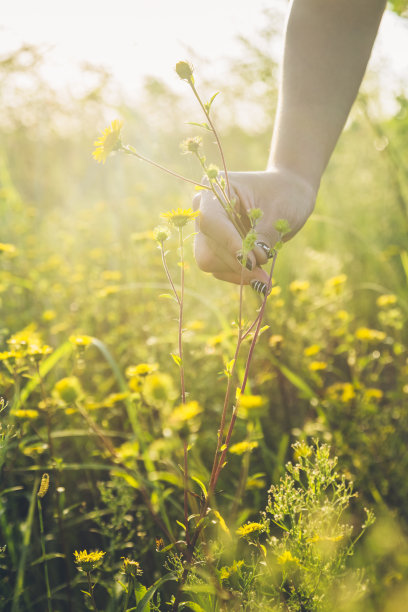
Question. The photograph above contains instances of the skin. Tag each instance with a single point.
(327, 46)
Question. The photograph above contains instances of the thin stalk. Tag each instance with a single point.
(42, 539)
(51, 452)
(19, 583)
(131, 151)
(186, 491)
(227, 393)
(128, 592)
(206, 113)
(166, 269)
(88, 574)
(245, 378)
(181, 304)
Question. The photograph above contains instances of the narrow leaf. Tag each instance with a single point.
(200, 484)
(142, 605)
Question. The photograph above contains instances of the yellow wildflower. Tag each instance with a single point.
(373, 394)
(276, 290)
(226, 572)
(181, 216)
(336, 281)
(298, 286)
(26, 414)
(185, 412)
(68, 389)
(246, 530)
(311, 350)
(386, 300)
(287, 557)
(142, 369)
(109, 141)
(314, 366)
(80, 340)
(275, 340)
(9, 249)
(370, 335)
(343, 392)
(88, 561)
(243, 447)
(251, 401)
(131, 568)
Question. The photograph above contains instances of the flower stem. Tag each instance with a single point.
(42, 538)
(214, 131)
(90, 587)
(132, 151)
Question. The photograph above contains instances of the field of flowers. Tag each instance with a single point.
(111, 496)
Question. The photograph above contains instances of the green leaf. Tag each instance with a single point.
(209, 104)
(168, 296)
(201, 125)
(142, 605)
(200, 484)
(296, 380)
(192, 606)
(48, 557)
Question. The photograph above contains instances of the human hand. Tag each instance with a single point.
(278, 193)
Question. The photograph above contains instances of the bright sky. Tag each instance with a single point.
(138, 37)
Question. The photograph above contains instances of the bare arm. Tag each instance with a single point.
(327, 47)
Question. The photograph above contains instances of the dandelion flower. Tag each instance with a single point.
(287, 557)
(181, 216)
(88, 561)
(109, 141)
(131, 568)
(246, 530)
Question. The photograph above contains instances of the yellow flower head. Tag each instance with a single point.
(315, 366)
(312, 350)
(246, 530)
(370, 335)
(287, 557)
(88, 561)
(185, 412)
(386, 300)
(243, 447)
(110, 140)
(142, 369)
(131, 568)
(298, 286)
(181, 216)
(343, 392)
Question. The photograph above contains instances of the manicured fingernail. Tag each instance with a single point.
(248, 263)
(259, 286)
(266, 249)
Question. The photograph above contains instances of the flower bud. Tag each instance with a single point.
(185, 71)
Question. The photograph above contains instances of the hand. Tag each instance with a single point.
(278, 193)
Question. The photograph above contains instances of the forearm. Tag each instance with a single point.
(327, 46)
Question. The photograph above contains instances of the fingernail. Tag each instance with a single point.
(248, 263)
(266, 249)
(259, 286)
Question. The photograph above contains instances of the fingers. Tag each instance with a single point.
(213, 258)
(215, 224)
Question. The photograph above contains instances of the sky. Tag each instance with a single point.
(134, 38)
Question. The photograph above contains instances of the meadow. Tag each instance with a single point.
(108, 500)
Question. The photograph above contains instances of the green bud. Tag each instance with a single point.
(212, 172)
(185, 71)
(192, 145)
(255, 214)
(161, 233)
(282, 226)
(249, 241)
